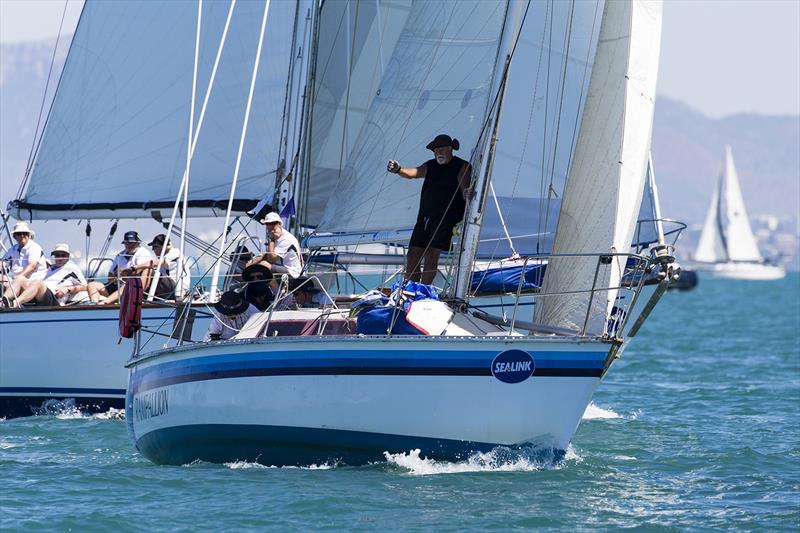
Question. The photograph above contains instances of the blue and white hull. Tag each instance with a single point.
(302, 400)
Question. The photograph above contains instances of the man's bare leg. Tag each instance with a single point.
(413, 263)
(96, 291)
(33, 291)
(431, 259)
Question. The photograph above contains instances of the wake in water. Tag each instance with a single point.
(244, 465)
(595, 412)
(500, 459)
(68, 410)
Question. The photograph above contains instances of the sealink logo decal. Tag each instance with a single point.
(513, 366)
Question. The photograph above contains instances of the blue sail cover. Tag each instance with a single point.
(386, 313)
(506, 279)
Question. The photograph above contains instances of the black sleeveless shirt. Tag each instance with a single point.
(440, 186)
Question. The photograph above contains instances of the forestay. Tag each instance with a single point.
(435, 79)
(116, 140)
(605, 182)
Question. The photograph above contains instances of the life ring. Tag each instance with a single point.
(130, 308)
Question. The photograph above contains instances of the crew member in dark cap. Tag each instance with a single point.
(174, 279)
(231, 313)
(441, 205)
(123, 266)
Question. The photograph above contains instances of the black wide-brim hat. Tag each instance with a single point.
(231, 303)
(443, 140)
(248, 272)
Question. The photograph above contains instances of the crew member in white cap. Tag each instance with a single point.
(283, 250)
(21, 264)
(63, 283)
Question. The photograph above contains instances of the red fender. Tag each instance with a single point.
(130, 308)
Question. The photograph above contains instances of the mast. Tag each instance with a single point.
(473, 216)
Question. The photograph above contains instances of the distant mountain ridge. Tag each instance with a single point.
(688, 147)
(689, 151)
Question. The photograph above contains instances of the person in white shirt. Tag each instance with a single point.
(283, 250)
(22, 263)
(231, 313)
(63, 283)
(123, 266)
(174, 277)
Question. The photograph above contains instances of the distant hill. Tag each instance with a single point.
(23, 74)
(689, 150)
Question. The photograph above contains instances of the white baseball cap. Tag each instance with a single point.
(61, 247)
(271, 218)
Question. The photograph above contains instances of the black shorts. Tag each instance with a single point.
(111, 287)
(165, 288)
(428, 232)
(48, 300)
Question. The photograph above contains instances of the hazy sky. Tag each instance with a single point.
(718, 56)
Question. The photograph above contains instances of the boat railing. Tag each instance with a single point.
(670, 228)
(633, 271)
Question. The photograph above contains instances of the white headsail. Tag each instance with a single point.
(711, 247)
(606, 179)
(115, 143)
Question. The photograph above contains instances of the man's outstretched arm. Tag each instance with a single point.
(406, 172)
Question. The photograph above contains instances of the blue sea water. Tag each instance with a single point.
(695, 428)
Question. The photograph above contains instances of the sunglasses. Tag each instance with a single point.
(60, 254)
(20, 234)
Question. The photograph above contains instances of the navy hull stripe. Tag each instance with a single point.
(21, 405)
(60, 391)
(141, 385)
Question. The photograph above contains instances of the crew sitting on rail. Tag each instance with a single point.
(122, 267)
(174, 278)
(307, 295)
(231, 313)
(283, 250)
(62, 284)
(22, 263)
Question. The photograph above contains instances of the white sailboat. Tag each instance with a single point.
(475, 381)
(727, 247)
(116, 146)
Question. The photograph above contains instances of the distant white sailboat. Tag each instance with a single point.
(727, 247)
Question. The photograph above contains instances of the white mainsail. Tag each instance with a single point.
(739, 236)
(435, 80)
(116, 139)
(605, 182)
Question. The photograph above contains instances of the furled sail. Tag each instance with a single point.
(116, 139)
(604, 186)
(435, 79)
